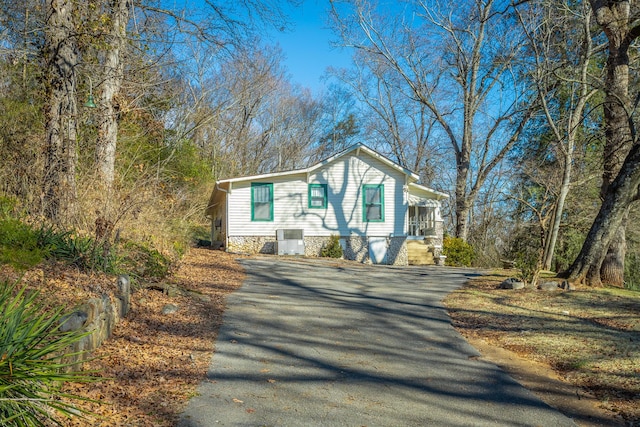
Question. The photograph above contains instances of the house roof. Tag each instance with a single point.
(358, 148)
(420, 191)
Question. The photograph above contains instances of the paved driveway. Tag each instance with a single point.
(311, 344)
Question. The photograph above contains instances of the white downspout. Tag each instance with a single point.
(226, 213)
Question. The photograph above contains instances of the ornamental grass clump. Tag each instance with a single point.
(34, 362)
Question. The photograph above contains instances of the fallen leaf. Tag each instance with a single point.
(237, 400)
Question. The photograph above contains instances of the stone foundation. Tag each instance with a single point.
(397, 253)
(252, 244)
(355, 248)
(435, 242)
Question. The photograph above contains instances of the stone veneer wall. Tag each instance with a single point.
(355, 248)
(252, 244)
(435, 242)
(398, 252)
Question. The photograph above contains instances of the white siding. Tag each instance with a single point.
(343, 215)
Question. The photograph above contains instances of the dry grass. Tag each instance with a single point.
(591, 337)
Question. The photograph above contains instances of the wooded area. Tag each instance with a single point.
(116, 117)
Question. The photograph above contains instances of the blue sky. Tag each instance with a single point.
(307, 46)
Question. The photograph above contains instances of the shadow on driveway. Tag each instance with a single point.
(310, 344)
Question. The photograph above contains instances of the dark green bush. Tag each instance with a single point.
(458, 252)
(32, 366)
(24, 246)
(332, 249)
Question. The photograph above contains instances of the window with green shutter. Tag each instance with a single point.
(261, 201)
(317, 196)
(373, 203)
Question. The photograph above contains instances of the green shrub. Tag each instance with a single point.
(32, 363)
(19, 244)
(139, 260)
(84, 252)
(332, 249)
(458, 252)
(529, 265)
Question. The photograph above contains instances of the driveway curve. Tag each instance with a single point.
(309, 343)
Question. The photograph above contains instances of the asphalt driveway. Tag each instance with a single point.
(315, 344)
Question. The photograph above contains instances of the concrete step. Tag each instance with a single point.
(419, 253)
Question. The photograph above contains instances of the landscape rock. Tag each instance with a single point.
(566, 286)
(512, 283)
(169, 309)
(548, 286)
(73, 321)
(124, 294)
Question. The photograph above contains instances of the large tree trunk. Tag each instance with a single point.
(112, 81)
(614, 17)
(618, 141)
(622, 192)
(59, 192)
(612, 269)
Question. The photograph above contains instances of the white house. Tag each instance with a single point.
(375, 205)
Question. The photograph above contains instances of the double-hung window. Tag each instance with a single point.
(373, 203)
(317, 196)
(261, 201)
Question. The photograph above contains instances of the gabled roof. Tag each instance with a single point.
(421, 191)
(358, 148)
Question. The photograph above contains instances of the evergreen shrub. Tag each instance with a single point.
(458, 252)
(332, 249)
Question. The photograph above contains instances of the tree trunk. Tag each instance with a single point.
(462, 200)
(110, 86)
(622, 192)
(618, 141)
(614, 17)
(557, 217)
(612, 269)
(59, 191)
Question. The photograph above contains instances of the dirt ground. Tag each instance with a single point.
(153, 362)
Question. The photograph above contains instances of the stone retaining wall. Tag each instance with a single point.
(97, 317)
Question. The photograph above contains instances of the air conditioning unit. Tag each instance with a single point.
(290, 242)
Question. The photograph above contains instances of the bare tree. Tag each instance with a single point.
(112, 75)
(391, 120)
(458, 61)
(563, 81)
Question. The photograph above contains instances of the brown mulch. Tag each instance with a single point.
(153, 362)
